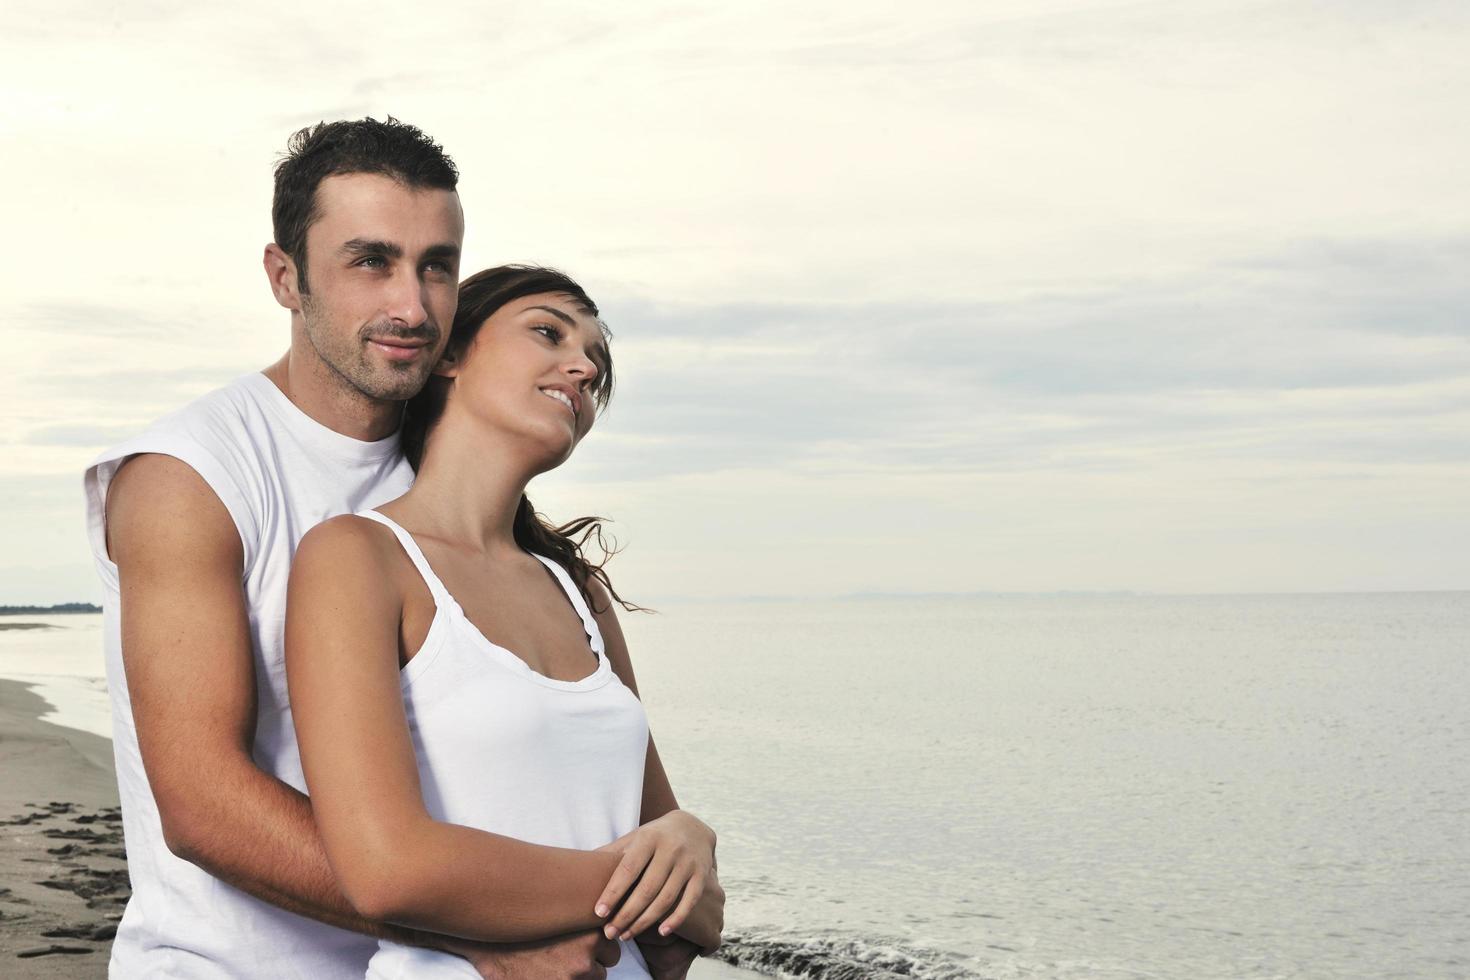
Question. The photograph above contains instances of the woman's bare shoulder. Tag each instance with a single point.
(347, 546)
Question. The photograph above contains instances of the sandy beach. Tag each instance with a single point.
(63, 880)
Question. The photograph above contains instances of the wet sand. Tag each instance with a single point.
(63, 880)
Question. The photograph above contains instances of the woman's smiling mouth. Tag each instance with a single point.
(560, 395)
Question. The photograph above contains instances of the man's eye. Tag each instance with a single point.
(372, 262)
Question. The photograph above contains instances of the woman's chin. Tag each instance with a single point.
(553, 450)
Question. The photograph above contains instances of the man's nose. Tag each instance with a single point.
(405, 303)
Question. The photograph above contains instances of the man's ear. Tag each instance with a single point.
(280, 270)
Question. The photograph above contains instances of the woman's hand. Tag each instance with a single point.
(672, 859)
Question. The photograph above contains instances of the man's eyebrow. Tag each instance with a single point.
(444, 250)
(369, 246)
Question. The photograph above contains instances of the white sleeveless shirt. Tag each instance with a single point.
(279, 473)
(505, 749)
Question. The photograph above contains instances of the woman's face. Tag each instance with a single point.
(529, 372)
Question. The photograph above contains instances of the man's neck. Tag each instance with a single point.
(323, 396)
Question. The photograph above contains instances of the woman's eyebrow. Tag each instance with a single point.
(556, 313)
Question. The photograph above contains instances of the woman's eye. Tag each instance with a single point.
(548, 331)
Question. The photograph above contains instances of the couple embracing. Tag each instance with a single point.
(439, 667)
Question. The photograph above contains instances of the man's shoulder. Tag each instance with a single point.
(224, 416)
(218, 418)
(212, 436)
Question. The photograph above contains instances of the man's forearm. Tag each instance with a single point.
(257, 833)
(264, 840)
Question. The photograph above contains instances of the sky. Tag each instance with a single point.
(923, 298)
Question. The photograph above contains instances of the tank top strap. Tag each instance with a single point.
(589, 625)
(441, 595)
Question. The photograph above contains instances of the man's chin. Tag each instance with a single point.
(393, 386)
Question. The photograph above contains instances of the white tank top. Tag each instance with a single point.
(279, 473)
(503, 748)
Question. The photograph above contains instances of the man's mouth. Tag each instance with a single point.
(398, 349)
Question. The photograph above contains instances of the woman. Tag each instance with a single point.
(478, 761)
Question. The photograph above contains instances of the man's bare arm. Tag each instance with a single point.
(191, 680)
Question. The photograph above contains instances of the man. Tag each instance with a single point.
(193, 525)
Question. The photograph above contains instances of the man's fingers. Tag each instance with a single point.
(653, 879)
(608, 952)
(628, 870)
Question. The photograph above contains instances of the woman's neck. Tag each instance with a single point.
(467, 489)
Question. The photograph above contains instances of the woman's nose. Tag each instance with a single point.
(584, 369)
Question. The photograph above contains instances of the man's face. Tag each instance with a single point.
(383, 269)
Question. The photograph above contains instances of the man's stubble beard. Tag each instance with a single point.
(347, 361)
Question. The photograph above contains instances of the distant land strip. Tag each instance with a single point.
(65, 607)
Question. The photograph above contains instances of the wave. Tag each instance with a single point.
(841, 958)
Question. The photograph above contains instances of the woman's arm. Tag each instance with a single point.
(658, 795)
(394, 862)
(700, 913)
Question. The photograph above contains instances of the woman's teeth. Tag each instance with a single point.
(559, 396)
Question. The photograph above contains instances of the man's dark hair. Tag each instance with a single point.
(357, 146)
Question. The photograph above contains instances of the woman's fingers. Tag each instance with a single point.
(692, 894)
(654, 876)
(635, 858)
(658, 907)
(661, 877)
(668, 896)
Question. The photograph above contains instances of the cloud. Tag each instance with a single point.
(1287, 354)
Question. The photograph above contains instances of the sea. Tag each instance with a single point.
(1048, 786)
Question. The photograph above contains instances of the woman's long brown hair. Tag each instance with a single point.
(479, 297)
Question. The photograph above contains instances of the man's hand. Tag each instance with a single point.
(668, 957)
(580, 956)
(706, 920)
